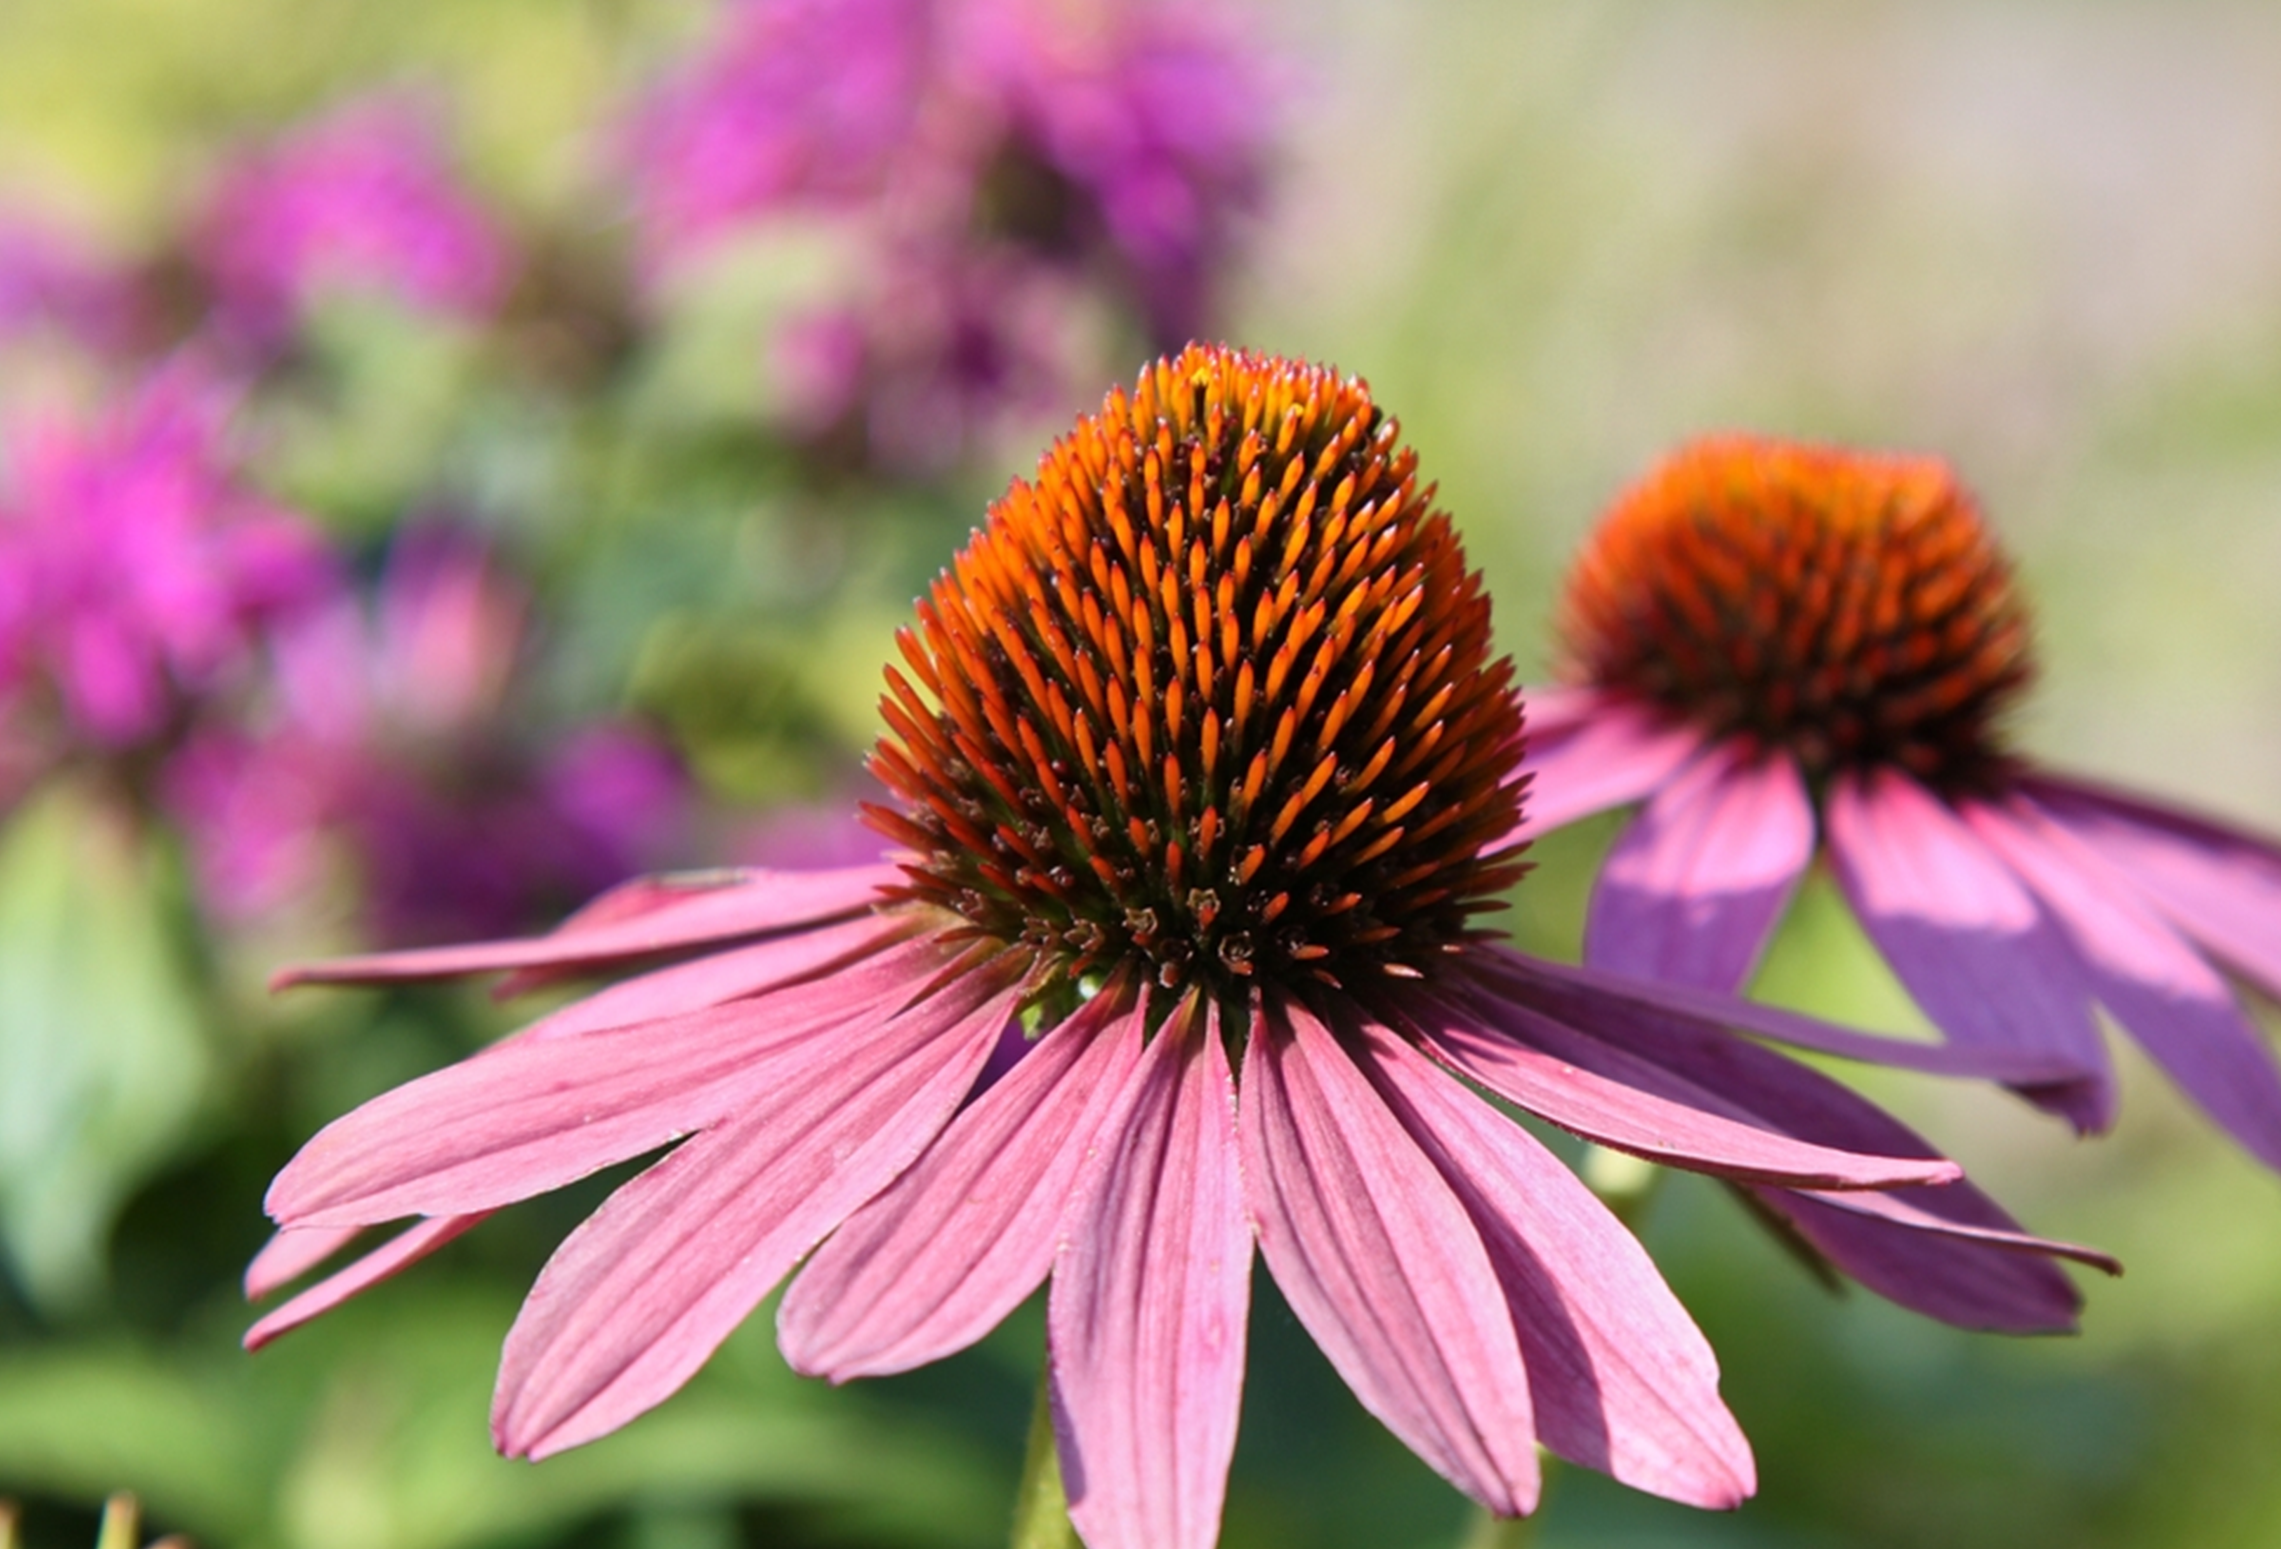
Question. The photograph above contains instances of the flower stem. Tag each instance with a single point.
(1490, 1531)
(1041, 1511)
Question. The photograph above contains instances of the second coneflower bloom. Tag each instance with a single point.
(1206, 770)
(1786, 649)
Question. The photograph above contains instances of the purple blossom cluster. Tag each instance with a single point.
(995, 165)
(138, 572)
(389, 748)
(361, 199)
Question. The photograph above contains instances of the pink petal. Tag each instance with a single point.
(400, 1252)
(637, 1298)
(2156, 985)
(1618, 756)
(1965, 937)
(1381, 1263)
(731, 974)
(944, 1253)
(1699, 1065)
(1692, 889)
(1950, 1254)
(529, 1115)
(2219, 884)
(639, 919)
(1607, 1094)
(1563, 989)
(1557, 709)
(291, 1252)
(1145, 1321)
(1620, 1378)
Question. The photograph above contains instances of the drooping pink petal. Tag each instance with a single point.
(1620, 1378)
(639, 919)
(638, 1298)
(529, 1115)
(399, 1253)
(942, 1255)
(1623, 1101)
(291, 1252)
(1619, 755)
(1693, 887)
(1965, 936)
(1951, 1254)
(1145, 1321)
(1555, 986)
(2156, 985)
(1962, 1254)
(1381, 1263)
(731, 974)
(2219, 884)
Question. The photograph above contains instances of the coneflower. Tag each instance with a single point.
(1785, 650)
(1206, 766)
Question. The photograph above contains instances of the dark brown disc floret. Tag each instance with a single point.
(1211, 696)
(1849, 607)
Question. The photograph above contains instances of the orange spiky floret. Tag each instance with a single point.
(1848, 606)
(1212, 693)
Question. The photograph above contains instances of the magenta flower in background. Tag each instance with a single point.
(52, 283)
(1154, 120)
(793, 104)
(1205, 772)
(138, 571)
(391, 749)
(364, 198)
(1786, 651)
(1005, 175)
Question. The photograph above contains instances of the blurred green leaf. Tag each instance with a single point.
(103, 1064)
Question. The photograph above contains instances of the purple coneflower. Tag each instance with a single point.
(1206, 769)
(361, 199)
(1782, 649)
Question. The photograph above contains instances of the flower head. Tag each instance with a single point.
(1849, 609)
(1214, 697)
(1785, 649)
(1208, 770)
(362, 199)
(138, 572)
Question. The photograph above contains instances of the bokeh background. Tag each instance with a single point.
(613, 484)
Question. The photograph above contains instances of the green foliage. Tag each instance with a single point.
(103, 1063)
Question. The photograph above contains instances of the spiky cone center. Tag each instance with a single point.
(1850, 607)
(1211, 697)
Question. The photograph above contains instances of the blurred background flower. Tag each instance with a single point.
(627, 369)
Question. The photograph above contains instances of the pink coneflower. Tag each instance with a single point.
(138, 570)
(1206, 768)
(363, 199)
(1783, 649)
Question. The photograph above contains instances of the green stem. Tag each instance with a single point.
(1490, 1531)
(122, 1523)
(1041, 1511)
